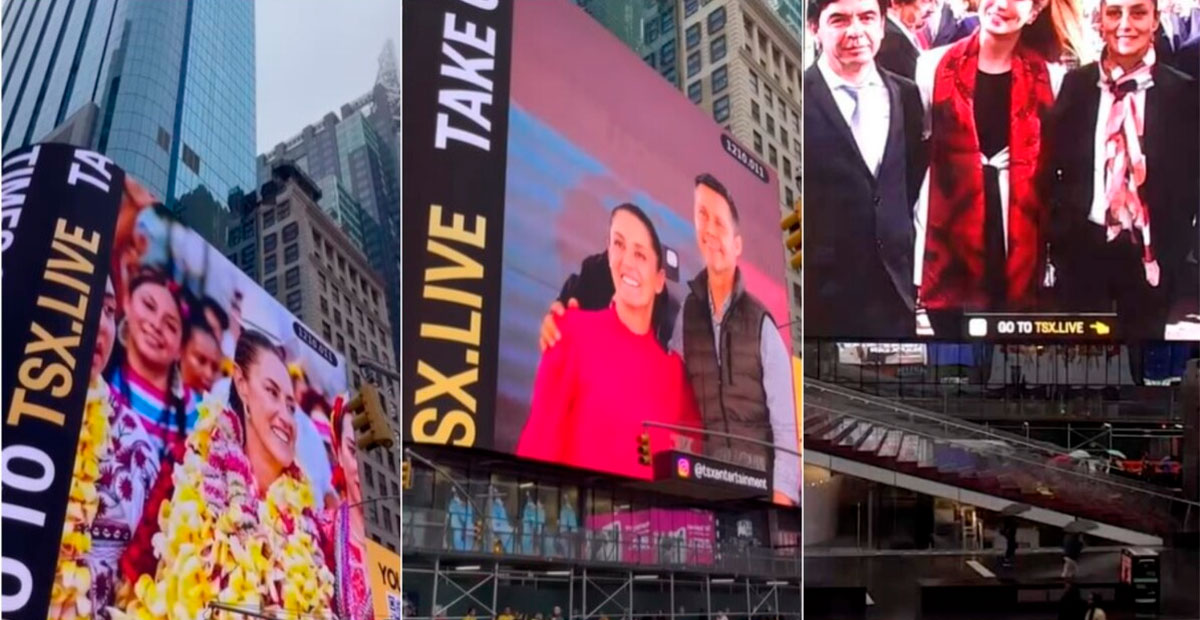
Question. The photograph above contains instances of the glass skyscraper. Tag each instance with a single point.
(358, 152)
(164, 88)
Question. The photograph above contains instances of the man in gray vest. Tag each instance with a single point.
(736, 360)
(737, 363)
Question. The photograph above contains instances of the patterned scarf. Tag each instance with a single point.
(1125, 163)
(953, 271)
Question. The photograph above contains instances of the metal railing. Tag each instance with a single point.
(438, 532)
(1017, 456)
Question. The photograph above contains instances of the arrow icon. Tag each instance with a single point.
(1101, 329)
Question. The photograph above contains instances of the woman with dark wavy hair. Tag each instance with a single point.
(981, 223)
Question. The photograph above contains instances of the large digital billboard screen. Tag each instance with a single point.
(993, 192)
(586, 251)
(173, 436)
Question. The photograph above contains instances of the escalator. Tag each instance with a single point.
(888, 442)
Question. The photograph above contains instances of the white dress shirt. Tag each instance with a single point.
(874, 110)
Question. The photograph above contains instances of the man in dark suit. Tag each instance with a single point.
(865, 162)
(904, 36)
(946, 27)
(1122, 225)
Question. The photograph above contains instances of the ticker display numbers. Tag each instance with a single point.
(1041, 327)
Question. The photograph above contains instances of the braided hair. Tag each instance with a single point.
(173, 405)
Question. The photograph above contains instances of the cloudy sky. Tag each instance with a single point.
(315, 55)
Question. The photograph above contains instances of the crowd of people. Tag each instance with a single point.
(1026, 156)
(215, 462)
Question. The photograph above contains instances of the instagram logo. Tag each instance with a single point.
(684, 467)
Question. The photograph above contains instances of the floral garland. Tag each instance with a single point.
(69, 597)
(218, 541)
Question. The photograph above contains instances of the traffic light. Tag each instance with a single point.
(644, 448)
(406, 474)
(791, 223)
(369, 419)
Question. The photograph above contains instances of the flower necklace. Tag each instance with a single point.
(69, 597)
(218, 541)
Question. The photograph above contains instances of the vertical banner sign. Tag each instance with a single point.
(60, 208)
(387, 600)
(457, 61)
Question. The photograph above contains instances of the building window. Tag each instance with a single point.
(787, 169)
(693, 66)
(291, 253)
(341, 345)
(772, 155)
(294, 301)
(290, 232)
(353, 353)
(720, 79)
(783, 137)
(671, 76)
(716, 20)
(649, 59)
(696, 91)
(693, 36)
(326, 333)
(283, 210)
(754, 112)
(272, 286)
(795, 122)
(667, 20)
(758, 143)
(164, 140)
(690, 7)
(191, 159)
(651, 31)
(324, 284)
(754, 82)
(248, 255)
(324, 305)
(716, 49)
(770, 125)
(770, 98)
(248, 228)
(797, 148)
(667, 54)
(292, 277)
(269, 242)
(269, 264)
(788, 196)
(268, 218)
(721, 109)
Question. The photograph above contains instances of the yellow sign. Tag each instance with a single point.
(384, 568)
(798, 390)
(1102, 329)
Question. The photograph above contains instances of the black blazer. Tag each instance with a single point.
(859, 233)
(1187, 59)
(896, 53)
(1172, 188)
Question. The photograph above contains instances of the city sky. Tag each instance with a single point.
(313, 56)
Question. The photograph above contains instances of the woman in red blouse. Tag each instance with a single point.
(608, 374)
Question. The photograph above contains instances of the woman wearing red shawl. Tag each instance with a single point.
(980, 222)
(345, 526)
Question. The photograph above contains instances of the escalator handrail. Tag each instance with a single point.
(1014, 457)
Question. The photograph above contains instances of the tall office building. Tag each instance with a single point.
(305, 260)
(649, 27)
(165, 89)
(742, 63)
(360, 151)
(791, 12)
